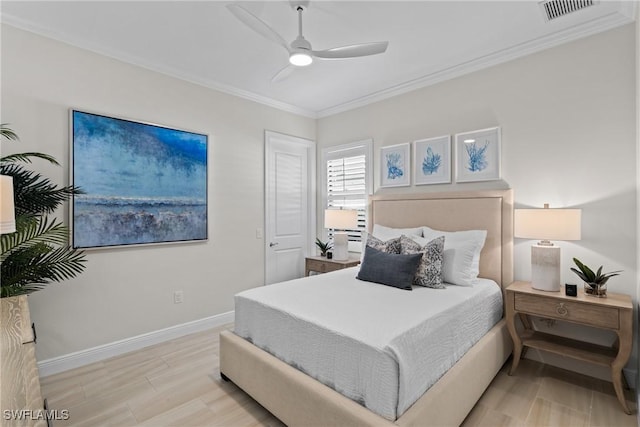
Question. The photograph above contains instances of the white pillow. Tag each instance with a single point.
(386, 233)
(461, 260)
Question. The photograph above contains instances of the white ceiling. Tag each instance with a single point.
(202, 42)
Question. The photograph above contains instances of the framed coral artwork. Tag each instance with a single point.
(478, 155)
(432, 160)
(394, 166)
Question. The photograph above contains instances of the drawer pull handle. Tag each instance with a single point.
(562, 310)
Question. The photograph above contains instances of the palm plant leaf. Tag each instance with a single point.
(30, 231)
(40, 264)
(8, 133)
(26, 158)
(15, 290)
(38, 252)
(35, 194)
(17, 269)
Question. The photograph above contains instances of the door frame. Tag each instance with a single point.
(311, 190)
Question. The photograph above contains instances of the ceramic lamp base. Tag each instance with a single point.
(340, 246)
(545, 268)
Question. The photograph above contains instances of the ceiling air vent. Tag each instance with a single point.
(556, 8)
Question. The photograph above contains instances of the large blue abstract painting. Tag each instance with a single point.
(142, 183)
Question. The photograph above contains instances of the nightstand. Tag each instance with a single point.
(321, 264)
(615, 313)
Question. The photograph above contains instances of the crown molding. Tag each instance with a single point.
(168, 71)
(595, 26)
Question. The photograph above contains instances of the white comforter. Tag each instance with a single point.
(380, 346)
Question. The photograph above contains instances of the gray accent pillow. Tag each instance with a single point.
(429, 273)
(389, 269)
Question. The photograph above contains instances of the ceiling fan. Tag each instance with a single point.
(300, 52)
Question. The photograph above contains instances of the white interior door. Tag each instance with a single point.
(290, 205)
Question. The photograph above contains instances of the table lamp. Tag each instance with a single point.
(7, 209)
(547, 224)
(340, 220)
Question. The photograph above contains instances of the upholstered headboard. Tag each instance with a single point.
(478, 210)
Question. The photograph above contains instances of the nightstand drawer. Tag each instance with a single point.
(322, 266)
(603, 317)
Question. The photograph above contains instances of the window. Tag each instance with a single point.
(347, 180)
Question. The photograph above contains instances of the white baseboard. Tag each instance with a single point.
(102, 352)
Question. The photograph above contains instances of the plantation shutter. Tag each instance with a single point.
(347, 182)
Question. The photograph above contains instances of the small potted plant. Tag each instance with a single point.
(324, 247)
(595, 284)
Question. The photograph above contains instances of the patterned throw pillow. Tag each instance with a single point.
(391, 246)
(429, 272)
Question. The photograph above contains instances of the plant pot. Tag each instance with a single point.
(595, 290)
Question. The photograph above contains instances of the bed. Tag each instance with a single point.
(298, 399)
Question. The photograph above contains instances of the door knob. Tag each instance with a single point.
(273, 244)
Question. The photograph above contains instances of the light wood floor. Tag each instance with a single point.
(178, 383)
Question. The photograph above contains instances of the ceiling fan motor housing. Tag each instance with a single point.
(300, 54)
(300, 43)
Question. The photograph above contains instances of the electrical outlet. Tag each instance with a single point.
(178, 297)
(259, 233)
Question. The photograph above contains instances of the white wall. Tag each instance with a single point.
(568, 118)
(638, 181)
(129, 291)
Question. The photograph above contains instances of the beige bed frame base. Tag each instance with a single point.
(299, 400)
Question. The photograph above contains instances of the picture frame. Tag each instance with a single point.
(478, 155)
(141, 183)
(395, 170)
(432, 160)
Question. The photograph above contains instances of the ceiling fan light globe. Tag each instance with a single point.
(300, 59)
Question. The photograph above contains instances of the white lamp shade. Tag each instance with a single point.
(548, 224)
(340, 219)
(7, 209)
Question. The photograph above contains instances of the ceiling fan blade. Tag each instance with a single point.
(353, 51)
(283, 74)
(256, 24)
